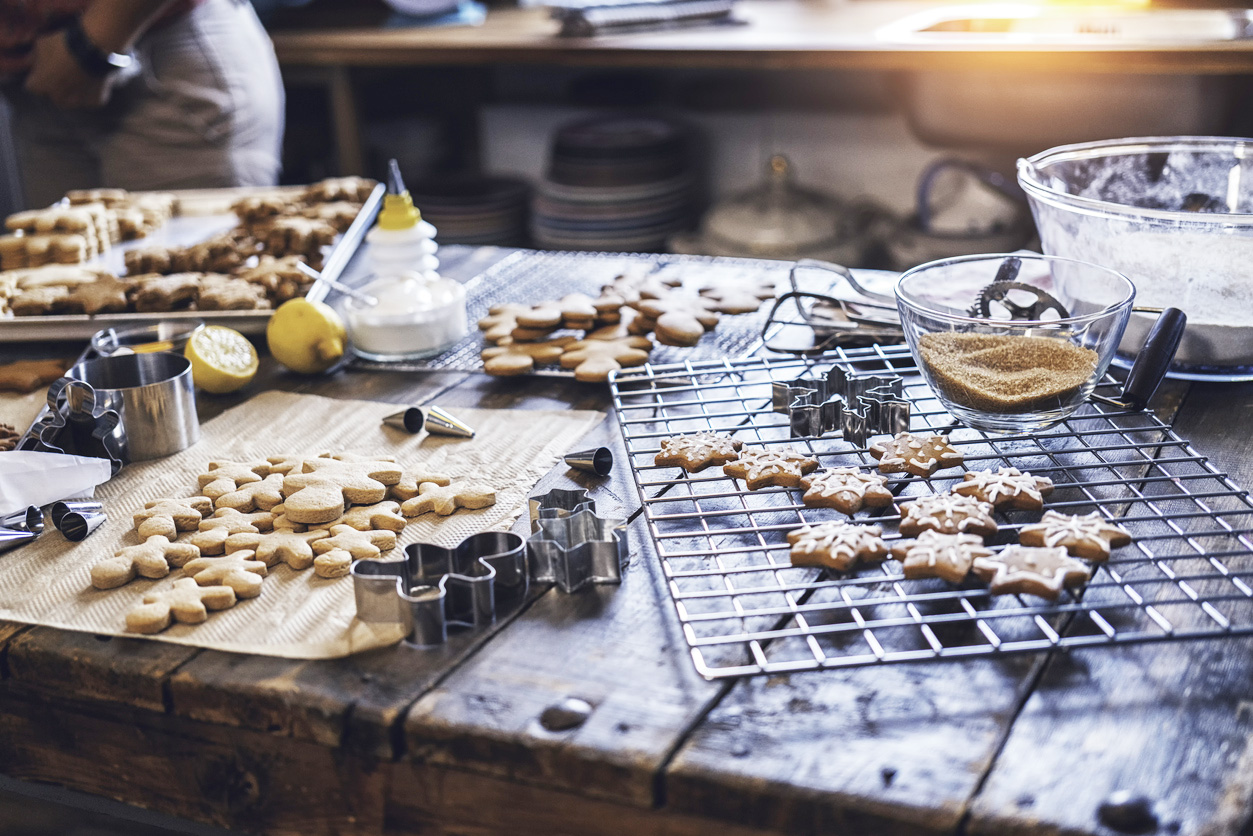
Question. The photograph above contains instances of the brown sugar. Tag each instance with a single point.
(1006, 374)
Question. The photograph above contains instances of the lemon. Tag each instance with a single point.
(222, 359)
(306, 337)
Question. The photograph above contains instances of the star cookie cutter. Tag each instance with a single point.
(578, 549)
(433, 587)
(557, 503)
(855, 405)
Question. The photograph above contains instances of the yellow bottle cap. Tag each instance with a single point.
(398, 212)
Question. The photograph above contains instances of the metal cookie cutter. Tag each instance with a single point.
(856, 405)
(76, 424)
(434, 587)
(577, 549)
(557, 503)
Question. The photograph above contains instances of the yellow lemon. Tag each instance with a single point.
(222, 359)
(306, 337)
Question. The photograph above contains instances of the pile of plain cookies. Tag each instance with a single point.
(948, 529)
(321, 511)
(251, 267)
(616, 325)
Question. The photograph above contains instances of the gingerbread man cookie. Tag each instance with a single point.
(846, 489)
(935, 555)
(28, 375)
(1024, 570)
(151, 559)
(921, 455)
(1089, 536)
(766, 468)
(407, 487)
(211, 538)
(167, 517)
(363, 482)
(348, 544)
(947, 513)
(501, 320)
(381, 516)
(291, 547)
(224, 477)
(837, 545)
(521, 358)
(594, 360)
(187, 602)
(697, 451)
(738, 298)
(1008, 487)
(677, 319)
(262, 495)
(447, 499)
(238, 571)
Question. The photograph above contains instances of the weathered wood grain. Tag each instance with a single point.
(1171, 722)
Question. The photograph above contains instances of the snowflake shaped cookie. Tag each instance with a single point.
(921, 455)
(935, 555)
(947, 513)
(766, 468)
(837, 545)
(1007, 487)
(1088, 536)
(1024, 570)
(846, 489)
(698, 451)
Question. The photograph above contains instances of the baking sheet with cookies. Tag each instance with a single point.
(749, 606)
(298, 615)
(200, 216)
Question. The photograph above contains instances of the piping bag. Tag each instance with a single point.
(31, 478)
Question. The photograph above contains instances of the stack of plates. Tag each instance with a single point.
(617, 183)
(474, 210)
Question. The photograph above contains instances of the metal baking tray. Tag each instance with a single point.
(206, 213)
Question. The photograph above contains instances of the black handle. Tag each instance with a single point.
(1154, 358)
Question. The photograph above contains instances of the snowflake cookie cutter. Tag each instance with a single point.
(433, 587)
(855, 405)
(578, 549)
(557, 503)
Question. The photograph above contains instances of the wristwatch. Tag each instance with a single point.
(92, 59)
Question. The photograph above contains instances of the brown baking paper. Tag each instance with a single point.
(298, 615)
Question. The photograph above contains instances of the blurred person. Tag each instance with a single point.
(140, 95)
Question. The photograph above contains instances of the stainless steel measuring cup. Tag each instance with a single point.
(154, 395)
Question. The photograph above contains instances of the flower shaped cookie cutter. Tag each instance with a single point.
(434, 587)
(855, 405)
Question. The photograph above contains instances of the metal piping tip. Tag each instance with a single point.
(433, 419)
(57, 510)
(11, 538)
(78, 525)
(30, 519)
(598, 461)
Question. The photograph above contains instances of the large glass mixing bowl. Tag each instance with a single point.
(1174, 214)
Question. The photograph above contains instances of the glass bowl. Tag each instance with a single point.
(1175, 215)
(1003, 374)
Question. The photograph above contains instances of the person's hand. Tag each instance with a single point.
(54, 73)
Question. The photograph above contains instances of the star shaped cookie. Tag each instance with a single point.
(1024, 570)
(767, 468)
(698, 451)
(947, 513)
(837, 545)
(935, 555)
(1088, 536)
(921, 455)
(846, 489)
(1007, 487)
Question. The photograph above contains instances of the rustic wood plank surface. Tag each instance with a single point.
(1167, 722)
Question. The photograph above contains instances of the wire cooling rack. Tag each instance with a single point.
(532, 276)
(745, 610)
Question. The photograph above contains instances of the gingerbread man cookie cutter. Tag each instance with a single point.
(75, 423)
(578, 549)
(855, 405)
(433, 587)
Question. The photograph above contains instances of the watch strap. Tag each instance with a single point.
(92, 59)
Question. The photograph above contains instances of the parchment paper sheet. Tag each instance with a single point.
(297, 615)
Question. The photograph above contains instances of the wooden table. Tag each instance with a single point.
(448, 741)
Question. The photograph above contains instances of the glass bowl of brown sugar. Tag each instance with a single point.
(1013, 342)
